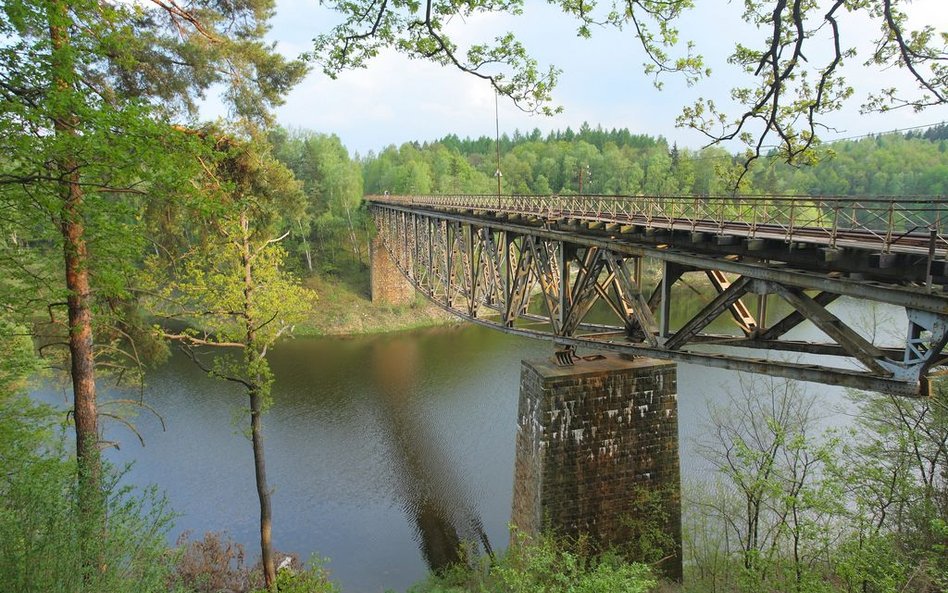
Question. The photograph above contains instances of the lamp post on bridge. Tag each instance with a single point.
(498, 175)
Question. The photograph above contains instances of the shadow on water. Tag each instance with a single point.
(428, 485)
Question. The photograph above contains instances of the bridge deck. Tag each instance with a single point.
(487, 258)
(885, 225)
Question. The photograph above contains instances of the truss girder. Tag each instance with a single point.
(725, 300)
(631, 306)
(853, 343)
(740, 312)
(580, 290)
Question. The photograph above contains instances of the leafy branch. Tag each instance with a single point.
(785, 105)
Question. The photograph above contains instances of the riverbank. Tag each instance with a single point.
(345, 308)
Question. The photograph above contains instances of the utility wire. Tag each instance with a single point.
(896, 131)
(721, 157)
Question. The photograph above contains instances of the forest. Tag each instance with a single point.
(618, 162)
(130, 228)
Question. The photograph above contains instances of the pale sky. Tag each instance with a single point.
(395, 100)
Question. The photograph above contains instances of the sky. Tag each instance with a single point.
(397, 100)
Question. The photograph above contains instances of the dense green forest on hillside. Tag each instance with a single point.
(619, 162)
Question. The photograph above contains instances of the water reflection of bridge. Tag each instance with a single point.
(484, 257)
(429, 489)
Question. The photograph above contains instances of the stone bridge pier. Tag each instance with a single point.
(597, 455)
(388, 284)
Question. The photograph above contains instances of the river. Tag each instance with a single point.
(370, 441)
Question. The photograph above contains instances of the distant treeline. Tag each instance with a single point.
(332, 228)
(616, 161)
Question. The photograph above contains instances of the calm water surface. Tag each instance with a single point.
(375, 446)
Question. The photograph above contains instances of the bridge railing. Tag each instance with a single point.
(884, 224)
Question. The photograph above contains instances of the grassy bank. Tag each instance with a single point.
(345, 307)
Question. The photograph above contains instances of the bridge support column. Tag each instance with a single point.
(597, 444)
(388, 284)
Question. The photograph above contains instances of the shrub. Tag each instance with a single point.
(544, 565)
(216, 563)
(43, 536)
(212, 564)
(311, 579)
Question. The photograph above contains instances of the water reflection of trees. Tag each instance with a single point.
(428, 486)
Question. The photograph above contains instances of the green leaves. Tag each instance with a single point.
(419, 31)
(17, 359)
(545, 564)
(790, 89)
(229, 285)
(922, 52)
(43, 530)
(821, 512)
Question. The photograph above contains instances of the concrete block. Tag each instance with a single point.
(831, 254)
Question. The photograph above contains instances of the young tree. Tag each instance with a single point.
(332, 183)
(39, 510)
(775, 497)
(233, 293)
(899, 478)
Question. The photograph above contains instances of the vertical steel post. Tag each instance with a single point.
(503, 257)
(472, 263)
(448, 271)
(665, 310)
(563, 282)
(430, 224)
(790, 225)
(888, 234)
(932, 237)
(405, 260)
(761, 312)
(834, 231)
(755, 206)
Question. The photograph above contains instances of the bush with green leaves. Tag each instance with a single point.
(43, 538)
(217, 563)
(313, 578)
(546, 564)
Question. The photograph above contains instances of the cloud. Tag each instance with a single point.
(395, 99)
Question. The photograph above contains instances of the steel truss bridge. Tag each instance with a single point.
(490, 258)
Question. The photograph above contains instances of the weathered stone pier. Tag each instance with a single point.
(594, 441)
(388, 284)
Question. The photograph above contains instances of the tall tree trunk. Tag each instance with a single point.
(263, 492)
(76, 260)
(256, 412)
(80, 336)
(306, 250)
(72, 228)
